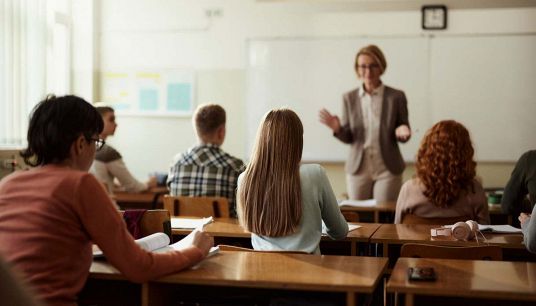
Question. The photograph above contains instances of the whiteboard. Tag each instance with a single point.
(447, 77)
(489, 84)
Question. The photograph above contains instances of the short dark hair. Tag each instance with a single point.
(55, 123)
(104, 109)
(208, 118)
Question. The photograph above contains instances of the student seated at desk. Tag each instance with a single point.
(109, 164)
(528, 225)
(445, 184)
(280, 202)
(522, 182)
(52, 214)
(205, 169)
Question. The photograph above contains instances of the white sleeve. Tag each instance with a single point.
(336, 225)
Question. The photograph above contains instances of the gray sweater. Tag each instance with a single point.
(319, 206)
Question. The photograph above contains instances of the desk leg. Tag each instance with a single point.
(350, 298)
(385, 250)
(145, 294)
(376, 216)
(409, 299)
(353, 248)
(152, 294)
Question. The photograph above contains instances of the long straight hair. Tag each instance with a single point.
(269, 194)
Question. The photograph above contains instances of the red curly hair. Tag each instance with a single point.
(445, 163)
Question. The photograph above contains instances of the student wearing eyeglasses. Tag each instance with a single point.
(109, 164)
(52, 214)
(374, 119)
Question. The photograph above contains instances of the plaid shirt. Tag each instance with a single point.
(206, 170)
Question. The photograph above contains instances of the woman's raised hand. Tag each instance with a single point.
(331, 121)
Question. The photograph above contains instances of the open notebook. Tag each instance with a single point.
(158, 243)
(358, 203)
(190, 223)
(351, 227)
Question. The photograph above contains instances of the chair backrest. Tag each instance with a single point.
(217, 207)
(155, 221)
(413, 219)
(225, 247)
(351, 216)
(14, 291)
(485, 252)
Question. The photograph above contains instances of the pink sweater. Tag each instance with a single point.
(411, 200)
(49, 218)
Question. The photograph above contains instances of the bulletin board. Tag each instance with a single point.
(149, 92)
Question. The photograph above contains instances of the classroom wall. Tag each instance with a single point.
(178, 34)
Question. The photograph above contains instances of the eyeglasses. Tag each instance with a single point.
(99, 143)
(370, 67)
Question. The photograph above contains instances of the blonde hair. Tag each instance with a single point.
(374, 52)
(269, 199)
(208, 118)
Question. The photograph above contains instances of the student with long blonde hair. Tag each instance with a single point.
(281, 202)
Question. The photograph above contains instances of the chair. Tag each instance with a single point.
(413, 219)
(486, 252)
(157, 198)
(351, 216)
(217, 207)
(14, 291)
(155, 221)
(225, 247)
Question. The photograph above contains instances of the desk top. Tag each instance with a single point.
(468, 278)
(229, 227)
(420, 233)
(389, 206)
(285, 271)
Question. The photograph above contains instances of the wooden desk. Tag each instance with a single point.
(382, 207)
(229, 227)
(467, 280)
(151, 199)
(343, 275)
(496, 214)
(397, 234)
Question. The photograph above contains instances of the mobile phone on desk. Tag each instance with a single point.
(421, 274)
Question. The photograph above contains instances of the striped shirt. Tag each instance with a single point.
(205, 170)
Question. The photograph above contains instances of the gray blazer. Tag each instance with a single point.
(394, 114)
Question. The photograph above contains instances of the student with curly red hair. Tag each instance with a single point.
(445, 185)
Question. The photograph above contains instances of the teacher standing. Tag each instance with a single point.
(374, 119)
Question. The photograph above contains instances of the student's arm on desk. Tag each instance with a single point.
(336, 225)
(120, 171)
(107, 229)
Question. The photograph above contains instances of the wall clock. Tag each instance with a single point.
(434, 17)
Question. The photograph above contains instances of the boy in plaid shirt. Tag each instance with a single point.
(205, 169)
